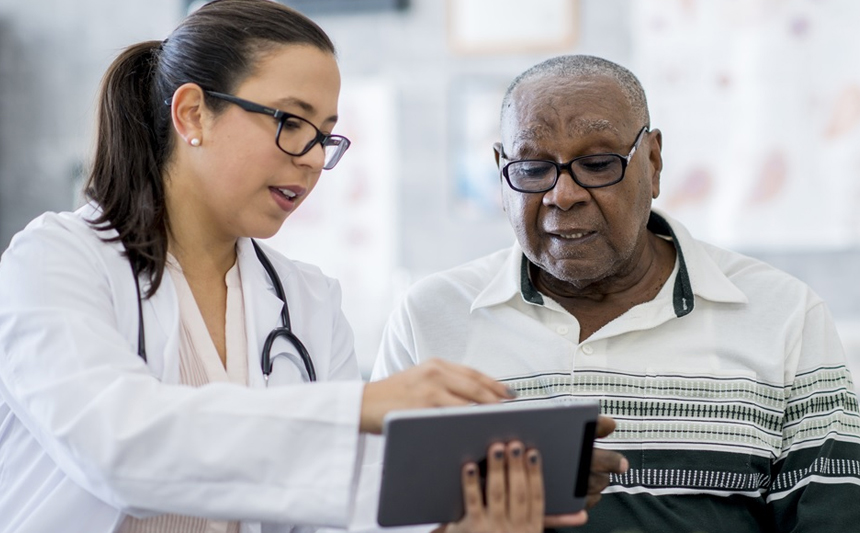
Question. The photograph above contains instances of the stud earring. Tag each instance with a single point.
(195, 141)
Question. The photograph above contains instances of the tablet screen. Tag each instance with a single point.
(426, 449)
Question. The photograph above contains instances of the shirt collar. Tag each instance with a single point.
(698, 274)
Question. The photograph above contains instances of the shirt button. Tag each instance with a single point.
(587, 349)
(562, 330)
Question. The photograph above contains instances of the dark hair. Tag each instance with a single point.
(217, 48)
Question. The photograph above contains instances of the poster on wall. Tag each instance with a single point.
(760, 113)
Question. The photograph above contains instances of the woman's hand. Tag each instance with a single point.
(435, 383)
(514, 495)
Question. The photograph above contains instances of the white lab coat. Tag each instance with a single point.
(90, 433)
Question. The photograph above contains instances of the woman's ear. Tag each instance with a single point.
(186, 110)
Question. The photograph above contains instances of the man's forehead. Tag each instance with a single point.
(577, 127)
(580, 105)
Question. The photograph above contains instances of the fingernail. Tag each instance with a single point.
(624, 464)
(533, 458)
(512, 393)
(499, 454)
(470, 470)
(516, 451)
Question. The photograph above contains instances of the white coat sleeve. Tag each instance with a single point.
(285, 454)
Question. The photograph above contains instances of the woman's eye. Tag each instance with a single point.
(292, 124)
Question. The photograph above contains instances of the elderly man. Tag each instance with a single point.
(726, 376)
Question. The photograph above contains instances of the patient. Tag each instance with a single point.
(726, 376)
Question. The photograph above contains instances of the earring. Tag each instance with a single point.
(195, 141)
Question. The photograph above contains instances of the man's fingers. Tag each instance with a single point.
(591, 500)
(605, 426)
(606, 461)
(597, 482)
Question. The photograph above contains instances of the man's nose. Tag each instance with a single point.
(566, 193)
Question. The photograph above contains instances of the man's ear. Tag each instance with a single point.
(497, 153)
(186, 110)
(655, 158)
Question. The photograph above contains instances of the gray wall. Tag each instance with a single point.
(52, 56)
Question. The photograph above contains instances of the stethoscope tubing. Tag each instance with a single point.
(284, 331)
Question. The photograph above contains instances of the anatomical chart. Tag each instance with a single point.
(759, 104)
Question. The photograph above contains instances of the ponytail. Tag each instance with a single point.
(126, 176)
(216, 47)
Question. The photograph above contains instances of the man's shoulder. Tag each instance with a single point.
(756, 278)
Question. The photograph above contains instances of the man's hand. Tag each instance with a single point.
(603, 463)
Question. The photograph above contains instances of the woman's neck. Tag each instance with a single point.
(196, 243)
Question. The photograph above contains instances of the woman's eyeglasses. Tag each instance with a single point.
(295, 136)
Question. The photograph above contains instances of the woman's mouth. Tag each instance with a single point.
(284, 197)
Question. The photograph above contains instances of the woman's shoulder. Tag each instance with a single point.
(62, 226)
(59, 237)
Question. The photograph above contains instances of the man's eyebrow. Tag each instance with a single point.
(531, 135)
(292, 101)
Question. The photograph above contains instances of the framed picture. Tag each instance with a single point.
(512, 26)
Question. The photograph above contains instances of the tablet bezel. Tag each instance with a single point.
(421, 478)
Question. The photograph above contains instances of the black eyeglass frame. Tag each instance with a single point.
(559, 167)
(282, 116)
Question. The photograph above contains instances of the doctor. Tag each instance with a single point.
(145, 338)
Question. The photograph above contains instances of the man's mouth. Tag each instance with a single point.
(573, 235)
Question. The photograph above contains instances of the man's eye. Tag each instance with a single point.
(597, 164)
(532, 169)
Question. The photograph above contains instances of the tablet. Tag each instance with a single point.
(426, 449)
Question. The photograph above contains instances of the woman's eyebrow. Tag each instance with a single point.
(292, 101)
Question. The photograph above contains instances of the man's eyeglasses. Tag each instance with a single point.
(588, 171)
(295, 136)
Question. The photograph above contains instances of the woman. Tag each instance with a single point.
(113, 318)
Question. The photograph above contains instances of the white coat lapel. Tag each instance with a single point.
(160, 312)
(262, 308)
(161, 326)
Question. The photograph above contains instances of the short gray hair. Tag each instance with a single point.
(572, 66)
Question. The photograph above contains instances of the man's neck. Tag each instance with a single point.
(596, 304)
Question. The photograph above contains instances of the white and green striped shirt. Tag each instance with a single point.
(734, 405)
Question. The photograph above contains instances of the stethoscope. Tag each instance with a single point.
(284, 331)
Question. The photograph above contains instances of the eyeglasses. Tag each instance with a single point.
(296, 135)
(588, 171)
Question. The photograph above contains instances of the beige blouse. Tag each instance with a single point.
(199, 364)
